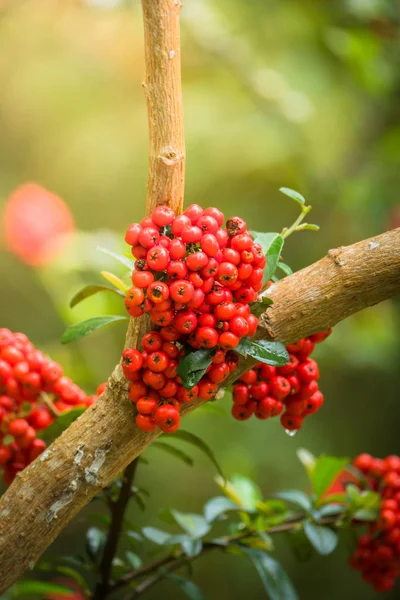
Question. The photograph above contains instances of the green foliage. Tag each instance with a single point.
(192, 367)
(293, 194)
(276, 581)
(83, 328)
(90, 290)
(324, 472)
(259, 307)
(188, 587)
(242, 491)
(127, 262)
(219, 506)
(323, 539)
(270, 353)
(38, 589)
(296, 497)
(176, 452)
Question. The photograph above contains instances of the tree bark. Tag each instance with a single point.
(105, 439)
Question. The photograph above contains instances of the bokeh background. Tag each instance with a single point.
(301, 94)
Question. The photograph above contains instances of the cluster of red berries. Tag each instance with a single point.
(377, 555)
(196, 279)
(155, 386)
(267, 391)
(26, 374)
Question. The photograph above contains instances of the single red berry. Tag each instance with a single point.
(163, 215)
(139, 252)
(149, 237)
(177, 249)
(18, 427)
(5, 455)
(154, 380)
(291, 423)
(197, 299)
(177, 269)
(169, 334)
(241, 412)
(181, 291)
(188, 395)
(249, 377)
(162, 318)
(239, 326)
(209, 244)
(225, 311)
(194, 212)
(132, 234)
(167, 418)
(191, 234)
(242, 241)
(157, 361)
(132, 360)
(142, 279)
(317, 338)
(259, 390)
(279, 387)
(222, 238)
(169, 390)
(158, 258)
(185, 321)
(146, 405)
(207, 389)
(218, 373)
(206, 337)
(197, 261)
(145, 423)
(36, 448)
(228, 340)
(308, 371)
(134, 297)
(158, 292)
(152, 341)
(240, 393)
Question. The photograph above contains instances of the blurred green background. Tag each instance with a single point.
(301, 94)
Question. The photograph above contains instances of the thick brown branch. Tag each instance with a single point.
(162, 87)
(104, 440)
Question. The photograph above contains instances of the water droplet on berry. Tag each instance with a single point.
(291, 433)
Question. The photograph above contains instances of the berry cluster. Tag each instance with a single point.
(196, 279)
(378, 551)
(26, 374)
(266, 391)
(155, 387)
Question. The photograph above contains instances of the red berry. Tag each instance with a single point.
(240, 412)
(146, 405)
(181, 291)
(163, 215)
(279, 387)
(206, 337)
(228, 340)
(185, 321)
(291, 423)
(194, 212)
(142, 279)
(158, 258)
(18, 427)
(158, 292)
(157, 361)
(167, 418)
(145, 423)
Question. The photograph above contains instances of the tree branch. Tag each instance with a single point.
(118, 509)
(173, 563)
(105, 439)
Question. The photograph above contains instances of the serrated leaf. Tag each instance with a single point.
(296, 497)
(191, 547)
(83, 328)
(273, 253)
(293, 194)
(192, 367)
(95, 539)
(275, 579)
(127, 262)
(195, 525)
(115, 281)
(28, 588)
(218, 506)
(176, 452)
(133, 559)
(191, 438)
(285, 268)
(60, 424)
(188, 587)
(270, 353)
(323, 539)
(91, 290)
(324, 473)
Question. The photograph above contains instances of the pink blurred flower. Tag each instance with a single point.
(37, 225)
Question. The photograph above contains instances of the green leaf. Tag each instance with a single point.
(276, 581)
(195, 525)
(264, 239)
(40, 588)
(192, 367)
(331, 509)
(307, 459)
(60, 424)
(90, 290)
(293, 194)
(95, 539)
(218, 506)
(75, 575)
(247, 491)
(176, 452)
(188, 587)
(285, 268)
(366, 514)
(310, 226)
(273, 254)
(78, 330)
(323, 539)
(296, 497)
(133, 559)
(325, 471)
(127, 262)
(191, 438)
(270, 353)
(116, 282)
(157, 535)
(192, 547)
(258, 308)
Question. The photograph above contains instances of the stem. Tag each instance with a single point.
(48, 402)
(286, 231)
(171, 563)
(118, 509)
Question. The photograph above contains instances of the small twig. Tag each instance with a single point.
(48, 402)
(172, 563)
(286, 231)
(118, 509)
